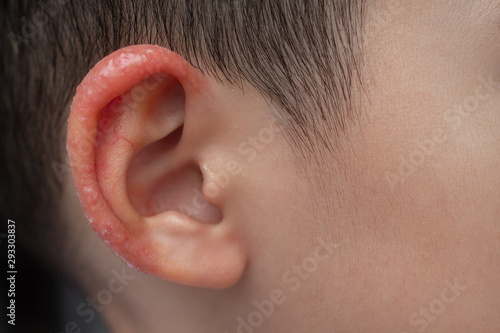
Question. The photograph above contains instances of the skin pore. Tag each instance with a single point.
(398, 230)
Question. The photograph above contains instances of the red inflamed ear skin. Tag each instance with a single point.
(131, 101)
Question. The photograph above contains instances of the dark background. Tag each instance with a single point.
(45, 300)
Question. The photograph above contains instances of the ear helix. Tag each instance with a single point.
(112, 77)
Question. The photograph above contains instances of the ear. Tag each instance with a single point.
(136, 165)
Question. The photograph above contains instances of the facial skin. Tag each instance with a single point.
(396, 231)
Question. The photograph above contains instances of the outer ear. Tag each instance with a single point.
(135, 167)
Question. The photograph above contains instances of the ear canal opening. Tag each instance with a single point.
(155, 184)
(178, 190)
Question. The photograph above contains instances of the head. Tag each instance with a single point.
(262, 166)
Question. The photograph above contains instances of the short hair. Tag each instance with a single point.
(302, 55)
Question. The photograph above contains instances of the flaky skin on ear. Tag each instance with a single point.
(133, 163)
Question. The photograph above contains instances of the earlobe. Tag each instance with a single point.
(135, 169)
